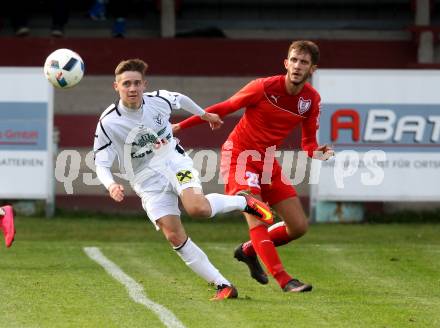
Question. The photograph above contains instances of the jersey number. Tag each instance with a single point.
(252, 179)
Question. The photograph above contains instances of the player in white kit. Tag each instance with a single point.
(136, 130)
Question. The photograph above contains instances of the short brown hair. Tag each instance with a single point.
(135, 65)
(308, 47)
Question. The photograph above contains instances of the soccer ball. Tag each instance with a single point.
(64, 68)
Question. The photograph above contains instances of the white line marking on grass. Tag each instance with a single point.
(135, 290)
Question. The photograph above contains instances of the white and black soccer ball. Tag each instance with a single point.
(64, 68)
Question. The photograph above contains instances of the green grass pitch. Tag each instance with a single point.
(363, 276)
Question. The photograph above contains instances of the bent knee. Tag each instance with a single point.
(298, 230)
(175, 238)
(199, 210)
(302, 228)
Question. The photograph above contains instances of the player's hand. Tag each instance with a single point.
(323, 153)
(175, 127)
(116, 191)
(215, 122)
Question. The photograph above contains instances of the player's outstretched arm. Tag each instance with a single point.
(221, 109)
(176, 128)
(215, 122)
(323, 152)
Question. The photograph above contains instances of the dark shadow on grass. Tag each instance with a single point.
(406, 216)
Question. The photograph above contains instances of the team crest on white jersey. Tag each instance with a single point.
(303, 105)
(158, 119)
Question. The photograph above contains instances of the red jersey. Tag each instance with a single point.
(270, 114)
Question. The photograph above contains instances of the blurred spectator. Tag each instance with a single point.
(98, 10)
(21, 12)
(117, 9)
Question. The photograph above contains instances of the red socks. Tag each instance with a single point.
(265, 249)
(278, 235)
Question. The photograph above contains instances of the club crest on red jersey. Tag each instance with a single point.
(303, 105)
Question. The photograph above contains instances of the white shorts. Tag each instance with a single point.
(160, 192)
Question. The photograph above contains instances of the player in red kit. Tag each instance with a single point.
(7, 224)
(273, 107)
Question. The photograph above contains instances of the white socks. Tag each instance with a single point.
(225, 203)
(197, 260)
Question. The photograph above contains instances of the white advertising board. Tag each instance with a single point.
(385, 128)
(26, 128)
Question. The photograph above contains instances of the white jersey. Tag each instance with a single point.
(141, 140)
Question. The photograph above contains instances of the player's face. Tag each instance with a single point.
(299, 67)
(130, 85)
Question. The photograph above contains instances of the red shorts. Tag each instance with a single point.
(250, 170)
